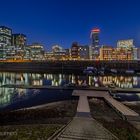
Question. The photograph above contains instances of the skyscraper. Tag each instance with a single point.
(95, 43)
(5, 35)
(19, 41)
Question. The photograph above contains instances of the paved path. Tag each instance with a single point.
(83, 105)
(124, 110)
(85, 129)
(83, 109)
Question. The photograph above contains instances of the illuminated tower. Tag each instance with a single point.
(95, 43)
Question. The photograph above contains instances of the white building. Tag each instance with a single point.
(36, 51)
(128, 45)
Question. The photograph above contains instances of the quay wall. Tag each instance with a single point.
(67, 66)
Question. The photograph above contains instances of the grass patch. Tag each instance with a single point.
(112, 121)
(28, 132)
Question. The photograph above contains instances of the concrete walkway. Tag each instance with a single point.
(118, 106)
(83, 127)
(83, 109)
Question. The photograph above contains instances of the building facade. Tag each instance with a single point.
(129, 47)
(124, 54)
(107, 53)
(138, 53)
(95, 43)
(36, 51)
(2, 51)
(59, 53)
(126, 44)
(75, 51)
(5, 35)
(110, 53)
(19, 40)
(84, 52)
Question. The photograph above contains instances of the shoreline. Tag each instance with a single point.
(68, 65)
(43, 105)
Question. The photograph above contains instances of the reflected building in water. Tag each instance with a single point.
(120, 81)
(8, 95)
(7, 78)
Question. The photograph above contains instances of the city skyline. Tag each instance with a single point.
(54, 44)
(14, 47)
(60, 22)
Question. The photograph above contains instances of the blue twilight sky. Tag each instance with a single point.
(61, 22)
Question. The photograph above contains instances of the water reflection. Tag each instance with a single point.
(12, 95)
(7, 78)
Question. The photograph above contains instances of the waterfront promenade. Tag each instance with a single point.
(124, 111)
(83, 127)
(83, 109)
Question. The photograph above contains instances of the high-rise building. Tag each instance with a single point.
(5, 35)
(75, 51)
(95, 43)
(19, 40)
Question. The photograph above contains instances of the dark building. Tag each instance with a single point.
(18, 40)
(5, 35)
(138, 53)
(67, 54)
(75, 51)
(84, 52)
(95, 43)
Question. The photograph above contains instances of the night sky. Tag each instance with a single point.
(61, 22)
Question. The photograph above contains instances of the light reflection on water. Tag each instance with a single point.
(12, 95)
(61, 79)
